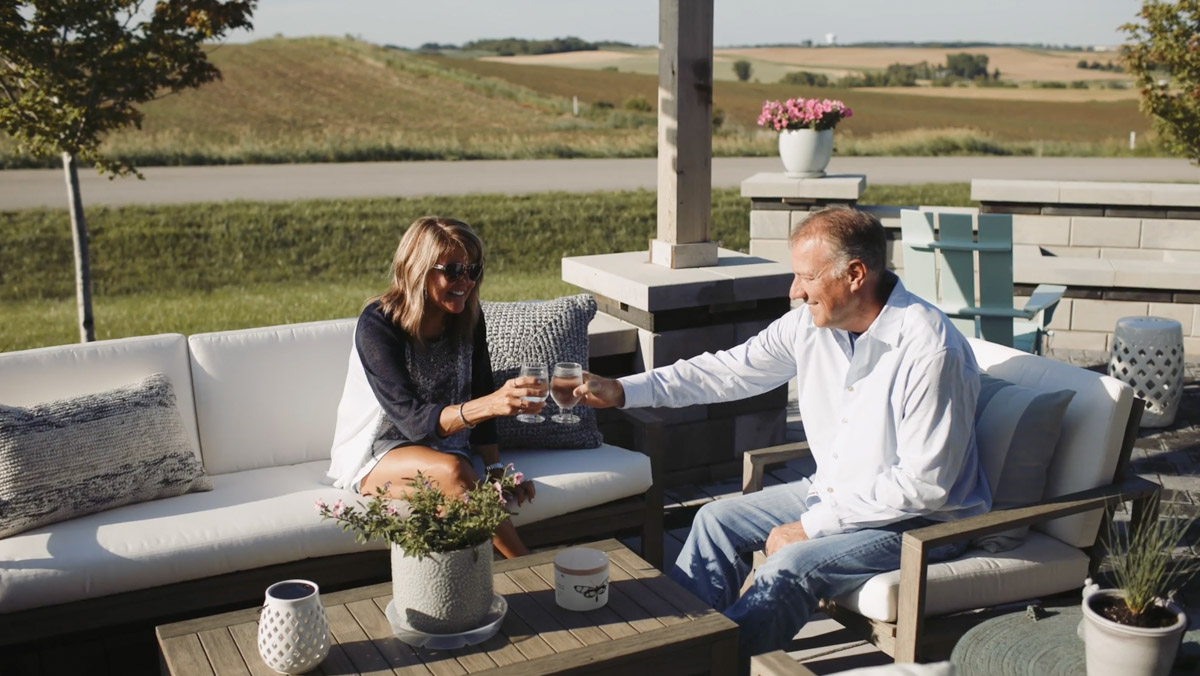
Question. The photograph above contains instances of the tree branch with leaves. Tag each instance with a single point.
(72, 71)
(1164, 58)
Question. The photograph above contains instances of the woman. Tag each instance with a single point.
(423, 349)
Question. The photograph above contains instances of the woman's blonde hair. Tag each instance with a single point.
(426, 240)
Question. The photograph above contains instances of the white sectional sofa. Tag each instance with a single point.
(259, 408)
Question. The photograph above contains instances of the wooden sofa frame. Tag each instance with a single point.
(230, 591)
(908, 639)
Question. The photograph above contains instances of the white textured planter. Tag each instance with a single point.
(1114, 649)
(293, 634)
(443, 593)
(805, 152)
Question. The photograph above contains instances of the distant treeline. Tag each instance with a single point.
(958, 67)
(515, 46)
(923, 45)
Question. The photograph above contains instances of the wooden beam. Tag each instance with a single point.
(685, 89)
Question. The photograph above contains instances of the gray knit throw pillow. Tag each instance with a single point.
(67, 458)
(541, 332)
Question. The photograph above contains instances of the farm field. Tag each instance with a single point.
(338, 100)
(772, 63)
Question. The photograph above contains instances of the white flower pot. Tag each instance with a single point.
(805, 152)
(443, 593)
(293, 634)
(1114, 649)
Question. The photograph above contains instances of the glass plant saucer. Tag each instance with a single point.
(490, 625)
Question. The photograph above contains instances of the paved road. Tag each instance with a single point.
(21, 189)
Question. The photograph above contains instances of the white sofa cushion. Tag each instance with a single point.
(978, 579)
(256, 518)
(50, 373)
(268, 397)
(1093, 428)
(570, 480)
(251, 519)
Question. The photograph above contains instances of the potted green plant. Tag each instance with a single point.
(1135, 628)
(805, 129)
(441, 548)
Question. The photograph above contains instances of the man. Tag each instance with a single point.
(887, 388)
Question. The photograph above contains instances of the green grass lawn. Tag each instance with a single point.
(211, 267)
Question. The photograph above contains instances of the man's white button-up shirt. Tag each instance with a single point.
(889, 416)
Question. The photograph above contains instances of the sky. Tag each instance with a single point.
(411, 23)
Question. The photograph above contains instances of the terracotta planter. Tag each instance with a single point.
(1121, 650)
(443, 593)
(805, 152)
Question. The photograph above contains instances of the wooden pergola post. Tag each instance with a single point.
(685, 89)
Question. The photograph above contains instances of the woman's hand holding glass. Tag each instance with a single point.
(541, 376)
(513, 398)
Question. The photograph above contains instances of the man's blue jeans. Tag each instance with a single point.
(716, 560)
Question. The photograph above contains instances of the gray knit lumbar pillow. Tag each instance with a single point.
(67, 458)
(541, 332)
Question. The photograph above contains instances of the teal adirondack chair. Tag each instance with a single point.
(940, 266)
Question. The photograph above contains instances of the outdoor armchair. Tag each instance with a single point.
(1085, 482)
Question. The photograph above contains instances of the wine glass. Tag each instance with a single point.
(541, 373)
(567, 376)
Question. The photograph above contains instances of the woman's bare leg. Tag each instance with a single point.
(452, 473)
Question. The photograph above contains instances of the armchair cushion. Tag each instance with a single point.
(1017, 429)
(541, 332)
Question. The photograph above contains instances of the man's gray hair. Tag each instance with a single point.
(851, 234)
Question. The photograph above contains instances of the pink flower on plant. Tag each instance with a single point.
(338, 507)
(816, 114)
(320, 504)
(391, 509)
(499, 492)
(518, 478)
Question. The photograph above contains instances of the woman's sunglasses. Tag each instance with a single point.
(455, 271)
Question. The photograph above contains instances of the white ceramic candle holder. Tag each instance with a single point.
(293, 634)
(581, 578)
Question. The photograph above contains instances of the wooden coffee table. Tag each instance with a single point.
(650, 625)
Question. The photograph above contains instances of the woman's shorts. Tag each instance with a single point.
(383, 446)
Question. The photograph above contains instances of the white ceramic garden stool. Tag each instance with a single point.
(1147, 354)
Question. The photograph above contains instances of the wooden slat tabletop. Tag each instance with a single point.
(650, 625)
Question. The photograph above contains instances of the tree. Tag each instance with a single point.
(743, 69)
(1164, 58)
(71, 72)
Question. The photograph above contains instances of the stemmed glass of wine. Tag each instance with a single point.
(567, 376)
(541, 374)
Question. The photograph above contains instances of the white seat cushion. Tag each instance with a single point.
(570, 480)
(1041, 565)
(256, 518)
(249, 520)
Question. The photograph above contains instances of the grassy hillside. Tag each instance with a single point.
(328, 100)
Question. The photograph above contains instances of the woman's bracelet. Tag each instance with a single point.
(463, 418)
(494, 466)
